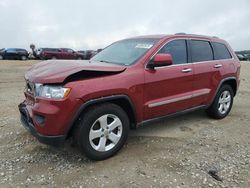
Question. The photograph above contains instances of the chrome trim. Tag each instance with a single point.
(179, 38)
(217, 65)
(169, 101)
(164, 102)
(186, 70)
(201, 62)
(207, 91)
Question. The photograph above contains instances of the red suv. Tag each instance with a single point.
(130, 82)
(58, 53)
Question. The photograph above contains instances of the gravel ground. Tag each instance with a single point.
(189, 151)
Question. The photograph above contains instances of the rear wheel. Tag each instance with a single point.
(222, 103)
(1, 57)
(54, 57)
(23, 58)
(102, 131)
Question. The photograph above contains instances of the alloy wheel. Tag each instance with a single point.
(224, 102)
(105, 132)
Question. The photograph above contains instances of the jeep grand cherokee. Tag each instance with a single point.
(130, 82)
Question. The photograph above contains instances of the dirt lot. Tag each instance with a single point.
(177, 152)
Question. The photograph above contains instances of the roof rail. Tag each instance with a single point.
(196, 35)
(180, 33)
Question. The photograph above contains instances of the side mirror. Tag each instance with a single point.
(161, 60)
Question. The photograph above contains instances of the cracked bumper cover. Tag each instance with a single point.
(55, 141)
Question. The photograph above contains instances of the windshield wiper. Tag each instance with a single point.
(103, 61)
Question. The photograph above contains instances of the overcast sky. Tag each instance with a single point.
(92, 24)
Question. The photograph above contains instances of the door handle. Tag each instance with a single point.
(217, 65)
(186, 70)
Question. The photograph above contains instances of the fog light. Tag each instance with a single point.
(40, 119)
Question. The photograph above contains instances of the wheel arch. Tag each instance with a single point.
(230, 81)
(121, 100)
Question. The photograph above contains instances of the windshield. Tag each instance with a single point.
(125, 52)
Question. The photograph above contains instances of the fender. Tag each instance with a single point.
(219, 85)
(98, 101)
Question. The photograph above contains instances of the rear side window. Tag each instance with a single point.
(178, 50)
(11, 50)
(201, 51)
(221, 51)
(21, 50)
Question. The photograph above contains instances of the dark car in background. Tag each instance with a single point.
(58, 53)
(88, 54)
(242, 57)
(83, 53)
(14, 53)
(247, 57)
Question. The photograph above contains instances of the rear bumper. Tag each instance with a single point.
(26, 120)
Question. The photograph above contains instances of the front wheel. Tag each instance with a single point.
(102, 131)
(222, 103)
(1, 57)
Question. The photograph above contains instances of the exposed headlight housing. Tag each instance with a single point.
(51, 92)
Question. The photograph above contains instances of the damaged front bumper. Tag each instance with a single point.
(26, 120)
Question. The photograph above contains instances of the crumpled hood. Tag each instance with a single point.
(56, 71)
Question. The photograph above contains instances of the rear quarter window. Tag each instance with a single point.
(201, 51)
(221, 51)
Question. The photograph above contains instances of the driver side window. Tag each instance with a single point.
(178, 50)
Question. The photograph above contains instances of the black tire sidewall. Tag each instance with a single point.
(89, 118)
(216, 102)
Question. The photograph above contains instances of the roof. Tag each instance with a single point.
(181, 35)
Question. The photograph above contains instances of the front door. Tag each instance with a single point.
(168, 89)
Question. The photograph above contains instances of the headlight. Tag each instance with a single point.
(52, 92)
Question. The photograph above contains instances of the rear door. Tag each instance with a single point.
(168, 89)
(206, 71)
(223, 63)
(21, 52)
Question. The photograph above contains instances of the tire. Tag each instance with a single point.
(79, 58)
(1, 57)
(23, 58)
(96, 134)
(222, 103)
(53, 57)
